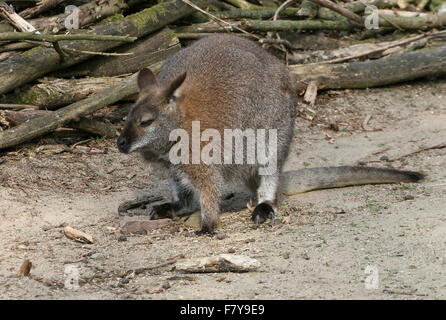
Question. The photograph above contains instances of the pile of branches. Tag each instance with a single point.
(53, 75)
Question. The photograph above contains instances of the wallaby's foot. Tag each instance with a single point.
(162, 211)
(262, 212)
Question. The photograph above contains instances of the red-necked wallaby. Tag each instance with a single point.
(228, 82)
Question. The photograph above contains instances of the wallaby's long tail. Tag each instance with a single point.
(303, 180)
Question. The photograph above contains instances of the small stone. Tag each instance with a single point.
(276, 222)
(194, 221)
(286, 255)
(97, 256)
(174, 230)
(409, 197)
(305, 256)
(231, 250)
(88, 275)
(165, 285)
(221, 236)
(384, 158)
(122, 238)
(142, 227)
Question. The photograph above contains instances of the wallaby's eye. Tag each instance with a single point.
(146, 123)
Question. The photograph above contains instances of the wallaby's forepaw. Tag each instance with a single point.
(161, 211)
(262, 212)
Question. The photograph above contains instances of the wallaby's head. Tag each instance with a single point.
(152, 117)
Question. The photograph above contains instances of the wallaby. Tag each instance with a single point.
(228, 82)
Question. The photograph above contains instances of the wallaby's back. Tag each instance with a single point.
(232, 83)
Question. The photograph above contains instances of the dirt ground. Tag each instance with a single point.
(322, 250)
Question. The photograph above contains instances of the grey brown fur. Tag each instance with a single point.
(225, 82)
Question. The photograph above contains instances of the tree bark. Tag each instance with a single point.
(39, 61)
(388, 70)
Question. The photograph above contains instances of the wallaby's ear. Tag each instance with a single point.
(147, 80)
(174, 85)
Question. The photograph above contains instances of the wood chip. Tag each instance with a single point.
(220, 263)
(77, 235)
(25, 268)
(311, 93)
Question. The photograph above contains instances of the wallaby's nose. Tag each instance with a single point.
(122, 144)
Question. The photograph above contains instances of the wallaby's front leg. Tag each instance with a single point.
(266, 194)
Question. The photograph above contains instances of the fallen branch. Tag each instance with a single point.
(388, 70)
(51, 94)
(411, 20)
(322, 13)
(289, 25)
(20, 36)
(17, 106)
(42, 7)
(387, 20)
(341, 10)
(351, 52)
(47, 123)
(17, 21)
(91, 126)
(150, 51)
(88, 13)
(17, 71)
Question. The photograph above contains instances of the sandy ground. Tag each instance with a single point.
(328, 240)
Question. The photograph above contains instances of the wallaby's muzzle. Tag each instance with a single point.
(123, 145)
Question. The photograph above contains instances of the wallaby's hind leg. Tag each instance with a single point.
(266, 194)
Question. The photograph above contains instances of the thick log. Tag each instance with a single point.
(353, 51)
(150, 51)
(387, 19)
(51, 94)
(47, 123)
(90, 126)
(388, 70)
(39, 61)
(322, 13)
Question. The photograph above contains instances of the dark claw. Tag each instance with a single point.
(262, 212)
